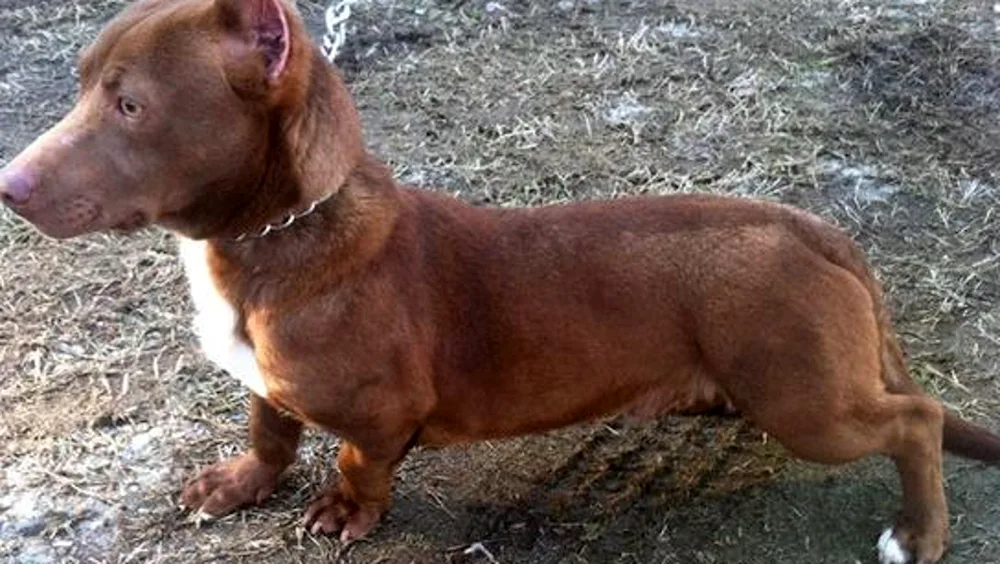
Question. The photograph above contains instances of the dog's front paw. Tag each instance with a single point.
(335, 512)
(228, 485)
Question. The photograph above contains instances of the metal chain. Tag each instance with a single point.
(337, 15)
(283, 224)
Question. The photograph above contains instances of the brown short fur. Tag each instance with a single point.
(394, 317)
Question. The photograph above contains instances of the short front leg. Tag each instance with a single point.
(251, 477)
(362, 493)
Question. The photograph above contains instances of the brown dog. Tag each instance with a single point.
(396, 317)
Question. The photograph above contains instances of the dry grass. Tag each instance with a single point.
(879, 114)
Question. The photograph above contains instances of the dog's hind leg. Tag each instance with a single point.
(252, 476)
(907, 428)
(823, 379)
(914, 443)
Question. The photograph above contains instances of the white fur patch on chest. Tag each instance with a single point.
(215, 320)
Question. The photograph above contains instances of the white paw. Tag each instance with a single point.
(889, 550)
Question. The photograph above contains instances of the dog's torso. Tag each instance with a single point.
(490, 323)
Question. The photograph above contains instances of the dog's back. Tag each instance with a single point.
(580, 310)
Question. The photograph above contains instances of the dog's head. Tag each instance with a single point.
(185, 113)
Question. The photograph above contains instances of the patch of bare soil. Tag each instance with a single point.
(879, 114)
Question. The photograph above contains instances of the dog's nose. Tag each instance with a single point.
(16, 185)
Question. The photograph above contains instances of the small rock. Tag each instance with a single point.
(679, 30)
(30, 527)
(626, 110)
(36, 554)
(494, 7)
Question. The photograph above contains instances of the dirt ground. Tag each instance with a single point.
(883, 115)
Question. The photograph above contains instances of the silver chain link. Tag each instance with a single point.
(336, 17)
(283, 224)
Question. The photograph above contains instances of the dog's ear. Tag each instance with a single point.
(263, 27)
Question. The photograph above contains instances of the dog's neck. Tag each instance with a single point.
(318, 157)
(309, 148)
(318, 146)
(341, 236)
(323, 137)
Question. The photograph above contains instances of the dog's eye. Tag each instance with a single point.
(129, 107)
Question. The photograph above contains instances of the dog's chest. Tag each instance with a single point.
(215, 320)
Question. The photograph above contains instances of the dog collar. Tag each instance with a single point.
(284, 224)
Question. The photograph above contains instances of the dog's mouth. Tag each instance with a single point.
(79, 215)
(62, 219)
